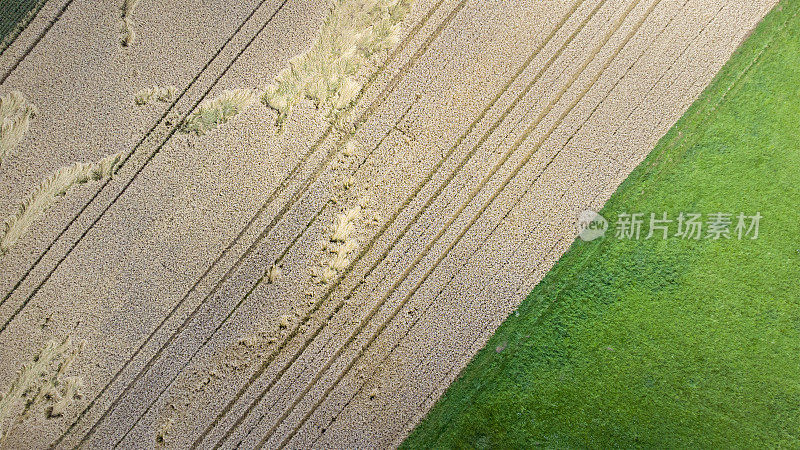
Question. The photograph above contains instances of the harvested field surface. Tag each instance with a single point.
(316, 214)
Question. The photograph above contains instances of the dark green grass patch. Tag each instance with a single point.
(665, 343)
(15, 15)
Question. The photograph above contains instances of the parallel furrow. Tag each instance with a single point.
(408, 201)
(171, 130)
(463, 232)
(141, 142)
(279, 216)
(36, 41)
(520, 287)
(530, 187)
(356, 124)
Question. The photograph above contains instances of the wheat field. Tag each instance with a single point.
(296, 221)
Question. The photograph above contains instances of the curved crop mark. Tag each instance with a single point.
(16, 114)
(49, 192)
(128, 31)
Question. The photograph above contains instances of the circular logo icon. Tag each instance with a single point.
(591, 225)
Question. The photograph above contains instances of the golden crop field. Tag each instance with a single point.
(292, 223)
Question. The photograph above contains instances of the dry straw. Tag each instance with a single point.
(16, 114)
(128, 32)
(49, 192)
(273, 274)
(340, 245)
(41, 380)
(213, 113)
(344, 225)
(162, 94)
(353, 31)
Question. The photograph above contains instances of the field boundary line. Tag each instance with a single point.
(661, 167)
(36, 41)
(754, 62)
(427, 399)
(424, 253)
(712, 104)
(572, 136)
(527, 191)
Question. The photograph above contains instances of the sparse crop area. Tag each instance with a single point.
(298, 220)
(664, 343)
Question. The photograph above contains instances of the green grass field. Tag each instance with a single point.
(665, 343)
(14, 17)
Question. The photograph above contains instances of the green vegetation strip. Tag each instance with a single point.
(15, 15)
(665, 342)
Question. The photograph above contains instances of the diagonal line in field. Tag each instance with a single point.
(485, 206)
